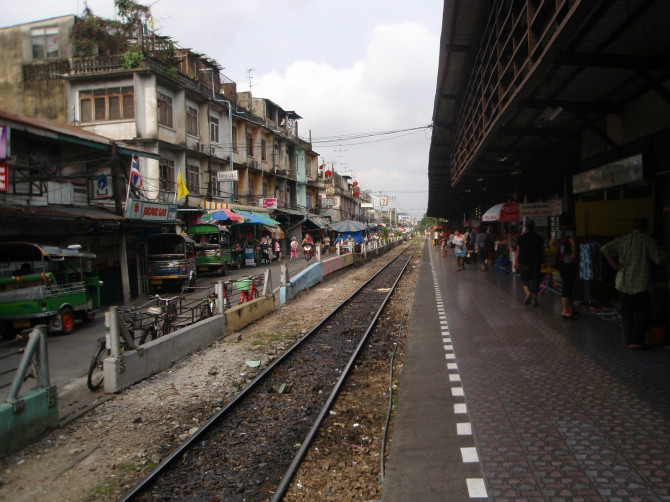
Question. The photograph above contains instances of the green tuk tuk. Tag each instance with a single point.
(213, 250)
(42, 284)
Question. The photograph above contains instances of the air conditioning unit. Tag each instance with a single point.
(212, 150)
(254, 164)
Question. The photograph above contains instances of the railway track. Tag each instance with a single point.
(251, 448)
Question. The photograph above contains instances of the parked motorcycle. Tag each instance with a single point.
(308, 250)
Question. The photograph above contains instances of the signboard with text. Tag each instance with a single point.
(533, 210)
(4, 142)
(150, 211)
(268, 203)
(4, 177)
(226, 176)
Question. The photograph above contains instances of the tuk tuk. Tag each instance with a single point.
(171, 261)
(212, 247)
(41, 284)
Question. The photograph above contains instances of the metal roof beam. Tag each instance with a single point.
(600, 132)
(570, 106)
(601, 60)
(655, 84)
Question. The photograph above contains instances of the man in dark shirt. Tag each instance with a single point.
(529, 258)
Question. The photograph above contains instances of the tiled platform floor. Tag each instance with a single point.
(560, 410)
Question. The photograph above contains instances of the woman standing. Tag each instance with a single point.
(565, 245)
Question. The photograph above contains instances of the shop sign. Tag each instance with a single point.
(151, 211)
(4, 177)
(533, 210)
(226, 176)
(268, 203)
(4, 142)
(617, 173)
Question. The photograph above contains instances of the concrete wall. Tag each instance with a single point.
(21, 424)
(330, 265)
(135, 365)
(246, 313)
(305, 279)
(158, 355)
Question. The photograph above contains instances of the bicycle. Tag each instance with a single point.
(208, 306)
(247, 288)
(164, 313)
(142, 326)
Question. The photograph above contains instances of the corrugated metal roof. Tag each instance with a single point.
(59, 212)
(56, 130)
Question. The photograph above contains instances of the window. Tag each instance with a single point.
(164, 110)
(193, 178)
(234, 138)
(191, 121)
(167, 181)
(218, 188)
(250, 145)
(213, 129)
(264, 156)
(113, 103)
(45, 42)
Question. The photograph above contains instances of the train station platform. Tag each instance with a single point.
(508, 402)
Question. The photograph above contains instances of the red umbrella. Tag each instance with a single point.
(507, 211)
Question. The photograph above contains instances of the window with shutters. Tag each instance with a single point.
(164, 110)
(112, 103)
(191, 121)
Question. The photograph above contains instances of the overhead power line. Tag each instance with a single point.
(325, 140)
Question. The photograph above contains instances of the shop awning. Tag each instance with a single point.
(56, 212)
(317, 221)
(254, 217)
(292, 212)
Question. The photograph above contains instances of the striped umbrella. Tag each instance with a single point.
(221, 215)
(347, 226)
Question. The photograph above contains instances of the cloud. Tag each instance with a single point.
(391, 87)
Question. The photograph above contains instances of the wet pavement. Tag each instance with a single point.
(510, 402)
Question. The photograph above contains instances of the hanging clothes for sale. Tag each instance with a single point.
(586, 262)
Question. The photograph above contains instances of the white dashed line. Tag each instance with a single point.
(476, 486)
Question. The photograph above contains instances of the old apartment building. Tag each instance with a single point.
(171, 101)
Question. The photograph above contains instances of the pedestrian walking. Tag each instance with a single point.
(294, 249)
(443, 239)
(278, 250)
(484, 245)
(459, 249)
(529, 258)
(565, 245)
(633, 256)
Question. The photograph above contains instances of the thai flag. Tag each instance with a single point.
(135, 176)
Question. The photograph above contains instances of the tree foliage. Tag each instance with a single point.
(96, 36)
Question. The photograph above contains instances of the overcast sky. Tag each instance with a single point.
(348, 67)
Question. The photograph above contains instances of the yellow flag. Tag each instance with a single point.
(182, 191)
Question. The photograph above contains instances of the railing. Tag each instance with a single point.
(36, 350)
(97, 64)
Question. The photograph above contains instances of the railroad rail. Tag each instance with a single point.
(251, 448)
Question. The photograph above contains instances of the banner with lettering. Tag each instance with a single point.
(150, 211)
